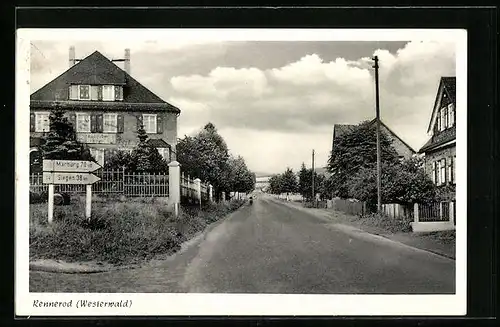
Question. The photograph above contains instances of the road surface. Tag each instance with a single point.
(272, 247)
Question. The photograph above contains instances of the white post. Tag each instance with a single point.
(51, 203)
(210, 193)
(415, 212)
(197, 184)
(441, 210)
(88, 202)
(174, 185)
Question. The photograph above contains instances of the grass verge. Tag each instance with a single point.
(119, 232)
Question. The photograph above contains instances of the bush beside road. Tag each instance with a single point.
(119, 233)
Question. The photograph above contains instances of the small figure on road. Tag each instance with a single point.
(251, 199)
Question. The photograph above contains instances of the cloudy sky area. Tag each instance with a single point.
(274, 102)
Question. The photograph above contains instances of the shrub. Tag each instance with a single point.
(118, 232)
(393, 225)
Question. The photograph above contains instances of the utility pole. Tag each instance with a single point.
(313, 197)
(377, 109)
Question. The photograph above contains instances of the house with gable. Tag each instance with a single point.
(402, 148)
(440, 150)
(106, 105)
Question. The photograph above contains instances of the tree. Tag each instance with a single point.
(401, 183)
(145, 157)
(276, 184)
(119, 160)
(61, 142)
(206, 156)
(239, 178)
(304, 181)
(357, 150)
(289, 181)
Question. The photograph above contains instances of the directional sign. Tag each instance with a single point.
(70, 166)
(69, 178)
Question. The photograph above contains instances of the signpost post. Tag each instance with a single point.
(70, 172)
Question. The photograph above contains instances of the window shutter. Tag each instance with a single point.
(159, 124)
(451, 113)
(120, 123)
(118, 92)
(93, 123)
(99, 93)
(444, 170)
(73, 92)
(433, 173)
(450, 170)
(99, 123)
(32, 122)
(72, 120)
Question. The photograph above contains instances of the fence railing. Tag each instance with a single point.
(115, 181)
(434, 212)
(127, 183)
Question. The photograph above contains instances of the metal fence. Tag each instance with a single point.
(436, 211)
(113, 182)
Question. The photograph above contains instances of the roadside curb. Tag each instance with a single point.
(326, 215)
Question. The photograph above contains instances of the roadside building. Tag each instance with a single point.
(106, 105)
(440, 151)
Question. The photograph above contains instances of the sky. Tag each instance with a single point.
(276, 101)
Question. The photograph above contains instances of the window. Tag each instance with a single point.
(438, 175)
(433, 173)
(98, 155)
(149, 122)
(42, 122)
(83, 123)
(110, 123)
(454, 169)
(108, 93)
(445, 117)
(164, 152)
(441, 120)
(442, 171)
(451, 180)
(84, 92)
(118, 92)
(451, 115)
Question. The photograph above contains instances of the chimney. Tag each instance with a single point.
(71, 56)
(126, 64)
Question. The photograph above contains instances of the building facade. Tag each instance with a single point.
(440, 151)
(105, 105)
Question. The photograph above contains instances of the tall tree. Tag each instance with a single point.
(356, 150)
(206, 156)
(61, 142)
(289, 181)
(146, 157)
(276, 184)
(304, 182)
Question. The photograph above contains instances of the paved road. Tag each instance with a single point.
(271, 247)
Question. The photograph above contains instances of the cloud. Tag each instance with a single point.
(273, 106)
(310, 95)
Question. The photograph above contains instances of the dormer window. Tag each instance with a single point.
(108, 93)
(96, 92)
(446, 117)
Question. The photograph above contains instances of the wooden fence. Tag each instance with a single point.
(350, 207)
(397, 210)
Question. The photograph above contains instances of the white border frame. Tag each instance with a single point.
(237, 304)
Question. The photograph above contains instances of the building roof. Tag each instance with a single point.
(446, 84)
(96, 69)
(158, 143)
(341, 129)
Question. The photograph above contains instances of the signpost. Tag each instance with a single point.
(70, 172)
